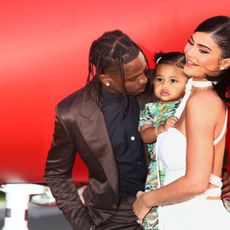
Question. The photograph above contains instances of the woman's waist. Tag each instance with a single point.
(198, 202)
(212, 192)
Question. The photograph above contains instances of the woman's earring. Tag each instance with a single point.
(107, 84)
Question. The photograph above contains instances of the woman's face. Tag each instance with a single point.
(203, 56)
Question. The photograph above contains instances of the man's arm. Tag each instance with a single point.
(226, 178)
(58, 175)
(226, 185)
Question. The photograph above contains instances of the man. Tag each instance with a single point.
(100, 123)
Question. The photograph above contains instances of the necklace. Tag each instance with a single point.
(202, 84)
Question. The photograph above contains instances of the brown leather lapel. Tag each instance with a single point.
(93, 128)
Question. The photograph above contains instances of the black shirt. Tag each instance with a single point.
(122, 126)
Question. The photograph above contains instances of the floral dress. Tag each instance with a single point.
(155, 114)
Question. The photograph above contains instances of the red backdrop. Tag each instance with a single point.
(44, 55)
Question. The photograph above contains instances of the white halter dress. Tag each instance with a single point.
(198, 213)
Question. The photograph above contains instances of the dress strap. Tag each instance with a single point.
(215, 180)
(213, 192)
(188, 90)
(217, 140)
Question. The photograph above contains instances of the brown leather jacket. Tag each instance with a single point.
(80, 128)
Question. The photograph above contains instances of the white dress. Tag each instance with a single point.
(198, 213)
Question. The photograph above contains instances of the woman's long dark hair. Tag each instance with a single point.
(219, 28)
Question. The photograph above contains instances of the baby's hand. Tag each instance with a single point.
(170, 122)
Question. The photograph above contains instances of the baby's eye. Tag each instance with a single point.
(159, 79)
(173, 80)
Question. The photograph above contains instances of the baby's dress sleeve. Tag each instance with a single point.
(147, 115)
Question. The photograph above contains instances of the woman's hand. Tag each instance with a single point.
(139, 206)
(226, 186)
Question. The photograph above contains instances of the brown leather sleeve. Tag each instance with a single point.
(58, 173)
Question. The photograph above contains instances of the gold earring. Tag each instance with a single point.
(107, 84)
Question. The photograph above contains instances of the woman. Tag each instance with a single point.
(193, 150)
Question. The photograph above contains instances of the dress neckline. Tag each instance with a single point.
(202, 84)
(188, 89)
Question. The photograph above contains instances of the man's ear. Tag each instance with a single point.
(225, 64)
(105, 79)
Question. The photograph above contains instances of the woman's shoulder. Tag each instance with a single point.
(205, 98)
(206, 103)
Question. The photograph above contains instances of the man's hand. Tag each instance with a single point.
(226, 186)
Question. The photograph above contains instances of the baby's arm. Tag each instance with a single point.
(149, 133)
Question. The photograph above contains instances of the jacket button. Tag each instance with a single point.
(114, 206)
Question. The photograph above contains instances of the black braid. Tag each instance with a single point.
(122, 74)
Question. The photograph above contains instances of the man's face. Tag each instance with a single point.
(135, 80)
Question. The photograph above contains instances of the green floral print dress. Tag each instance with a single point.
(155, 114)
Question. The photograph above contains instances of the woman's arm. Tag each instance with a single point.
(200, 118)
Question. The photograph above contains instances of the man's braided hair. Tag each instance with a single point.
(108, 54)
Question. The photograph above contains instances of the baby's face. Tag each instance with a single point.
(169, 83)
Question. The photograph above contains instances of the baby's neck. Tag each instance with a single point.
(168, 102)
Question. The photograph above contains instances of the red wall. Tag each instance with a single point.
(44, 55)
